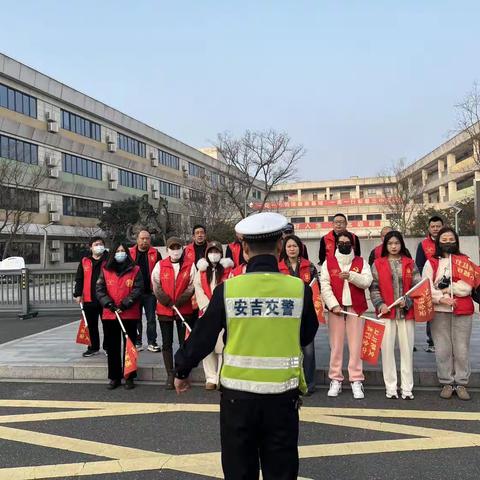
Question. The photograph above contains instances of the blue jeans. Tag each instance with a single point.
(309, 365)
(148, 302)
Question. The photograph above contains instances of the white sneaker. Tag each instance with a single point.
(407, 396)
(357, 390)
(391, 394)
(335, 388)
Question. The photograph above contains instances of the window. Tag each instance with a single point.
(317, 219)
(18, 101)
(18, 150)
(392, 216)
(30, 251)
(331, 217)
(130, 145)
(371, 192)
(257, 194)
(297, 220)
(19, 199)
(133, 180)
(168, 159)
(169, 189)
(82, 126)
(214, 178)
(196, 196)
(74, 252)
(466, 183)
(285, 197)
(81, 166)
(195, 170)
(374, 216)
(354, 218)
(315, 197)
(80, 207)
(175, 221)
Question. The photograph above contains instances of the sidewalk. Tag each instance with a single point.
(54, 355)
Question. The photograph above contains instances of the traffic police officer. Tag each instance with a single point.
(267, 317)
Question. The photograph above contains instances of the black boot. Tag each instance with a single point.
(168, 360)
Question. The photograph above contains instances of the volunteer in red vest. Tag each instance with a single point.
(425, 250)
(119, 288)
(377, 251)
(394, 273)
(344, 279)
(290, 230)
(452, 323)
(294, 264)
(239, 269)
(329, 241)
(211, 271)
(146, 257)
(84, 291)
(172, 281)
(196, 250)
(235, 251)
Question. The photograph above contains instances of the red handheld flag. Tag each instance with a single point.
(422, 303)
(131, 356)
(372, 341)
(317, 301)
(83, 335)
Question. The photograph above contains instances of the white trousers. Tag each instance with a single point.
(406, 337)
(212, 363)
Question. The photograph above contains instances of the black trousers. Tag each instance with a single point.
(92, 312)
(259, 432)
(115, 345)
(430, 341)
(166, 327)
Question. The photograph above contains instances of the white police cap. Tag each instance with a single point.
(262, 226)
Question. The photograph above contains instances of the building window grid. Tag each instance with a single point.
(18, 150)
(74, 252)
(317, 219)
(81, 207)
(297, 220)
(18, 101)
(132, 180)
(20, 199)
(374, 216)
(195, 170)
(81, 166)
(131, 145)
(82, 126)
(354, 218)
(168, 159)
(30, 251)
(169, 189)
(197, 196)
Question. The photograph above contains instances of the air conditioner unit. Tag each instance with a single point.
(154, 162)
(52, 127)
(52, 207)
(50, 160)
(185, 195)
(112, 184)
(53, 172)
(113, 175)
(155, 194)
(54, 217)
(111, 147)
(50, 116)
(55, 244)
(55, 257)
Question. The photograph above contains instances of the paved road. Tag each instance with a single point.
(84, 431)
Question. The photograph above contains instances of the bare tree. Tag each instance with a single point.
(402, 196)
(19, 185)
(468, 121)
(257, 160)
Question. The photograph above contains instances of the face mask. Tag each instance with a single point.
(120, 257)
(214, 257)
(448, 247)
(345, 249)
(98, 249)
(175, 254)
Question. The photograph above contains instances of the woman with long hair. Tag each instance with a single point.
(451, 326)
(118, 290)
(394, 273)
(292, 263)
(211, 271)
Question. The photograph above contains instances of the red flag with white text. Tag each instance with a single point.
(422, 303)
(131, 356)
(372, 341)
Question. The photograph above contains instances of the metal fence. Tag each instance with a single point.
(29, 291)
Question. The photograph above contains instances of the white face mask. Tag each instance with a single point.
(175, 254)
(214, 257)
(98, 249)
(120, 257)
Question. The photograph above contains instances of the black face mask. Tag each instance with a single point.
(450, 247)
(345, 249)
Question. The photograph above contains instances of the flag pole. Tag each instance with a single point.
(120, 322)
(399, 300)
(371, 319)
(185, 324)
(315, 279)
(451, 276)
(83, 313)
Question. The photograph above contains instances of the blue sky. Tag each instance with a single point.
(359, 84)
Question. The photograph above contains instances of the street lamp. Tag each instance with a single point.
(45, 235)
(457, 212)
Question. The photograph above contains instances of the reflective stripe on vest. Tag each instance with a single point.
(263, 353)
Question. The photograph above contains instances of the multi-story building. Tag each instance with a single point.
(92, 155)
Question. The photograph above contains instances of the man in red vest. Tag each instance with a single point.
(84, 291)
(146, 257)
(377, 251)
(235, 251)
(196, 250)
(425, 251)
(329, 241)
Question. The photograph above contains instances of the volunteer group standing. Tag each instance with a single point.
(126, 281)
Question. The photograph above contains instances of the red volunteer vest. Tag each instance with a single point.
(236, 249)
(118, 287)
(206, 285)
(304, 271)
(238, 270)
(428, 246)
(152, 256)
(378, 251)
(464, 305)
(359, 301)
(189, 253)
(174, 287)
(330, 243)
(87, 279)
(386, 286)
